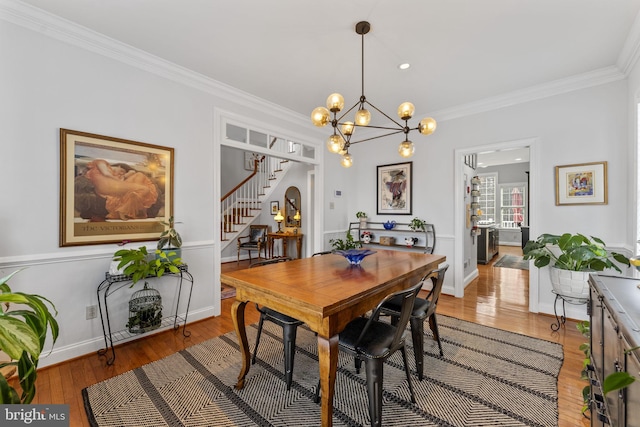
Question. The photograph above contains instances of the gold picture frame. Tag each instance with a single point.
(112, 189)
(581, 184)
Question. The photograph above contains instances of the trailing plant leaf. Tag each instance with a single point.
(616, 381)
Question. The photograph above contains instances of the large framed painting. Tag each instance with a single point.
(112, 189)
(581, 184)
(394, 189)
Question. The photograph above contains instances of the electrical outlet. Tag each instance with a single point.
(91, 312)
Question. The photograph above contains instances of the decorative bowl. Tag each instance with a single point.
(389, 225)
(635, 261)
(355, 256)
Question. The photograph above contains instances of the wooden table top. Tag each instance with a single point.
(324, 285)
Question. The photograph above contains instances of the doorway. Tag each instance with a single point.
(461, 232)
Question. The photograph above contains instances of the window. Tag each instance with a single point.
(513, 207)
(488, 198)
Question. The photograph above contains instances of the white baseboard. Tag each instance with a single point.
(64, 354)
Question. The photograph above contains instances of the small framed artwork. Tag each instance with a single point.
(112, 189)
(249, 160)
(581, 184)
(275, 207)
(394, 187)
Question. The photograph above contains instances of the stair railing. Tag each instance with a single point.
(241, 200)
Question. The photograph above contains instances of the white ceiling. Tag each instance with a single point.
(295, 52)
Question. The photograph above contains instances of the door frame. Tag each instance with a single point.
(459, 216)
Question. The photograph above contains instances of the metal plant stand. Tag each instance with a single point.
(112, 284)
(561, 319)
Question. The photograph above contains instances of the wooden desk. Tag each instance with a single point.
(325, 293)
(285, 236)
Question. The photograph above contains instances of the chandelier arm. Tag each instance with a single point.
(375, 137)
(348, 111)
(378, 127)
(384, 114)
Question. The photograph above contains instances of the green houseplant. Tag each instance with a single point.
(362, 217)
(170, 240)
(23, 332)
(137, 264)
(571, 257)
(346, 244)
(574, 252)
(418, 224)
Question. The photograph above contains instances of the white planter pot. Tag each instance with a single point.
(571, 284)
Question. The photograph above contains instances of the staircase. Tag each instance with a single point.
(240, 206)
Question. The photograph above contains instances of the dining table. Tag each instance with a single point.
(325, 292)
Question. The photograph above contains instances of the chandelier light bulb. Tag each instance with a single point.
(343, 150)
(347, 128)
(335, 102)
(363, 117)
(427, 126)
(406, 149)
(320, 116)
(335, 143)
(406, 110)
(346, 161)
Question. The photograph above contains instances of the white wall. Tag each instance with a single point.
(582, 126)
(47, 84)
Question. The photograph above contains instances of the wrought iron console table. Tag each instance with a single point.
(112, 284)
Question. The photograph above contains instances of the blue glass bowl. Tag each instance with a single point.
(355, 256)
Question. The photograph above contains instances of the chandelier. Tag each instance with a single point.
(343, 130)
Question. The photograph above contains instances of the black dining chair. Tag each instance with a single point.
(289, 329)
(322, 253)
(373, 342)
(423, 308)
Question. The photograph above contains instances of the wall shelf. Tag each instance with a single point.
(426, 239)
(113, 283)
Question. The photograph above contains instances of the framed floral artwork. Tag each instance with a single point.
(112, 189)
(394, 187)
(581, 184)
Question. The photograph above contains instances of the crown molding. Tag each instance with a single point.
(545, 90)
(61, 29)
(53, 26)
(631, 49)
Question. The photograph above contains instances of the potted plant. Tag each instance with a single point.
(137, 264)
(571, 258)
(23, 332)
(170, 240)
(363, 218)
(346, 244)
(418, 224)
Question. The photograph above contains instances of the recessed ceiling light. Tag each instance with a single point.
(518, 159)
(404, 66)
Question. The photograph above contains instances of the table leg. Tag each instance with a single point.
(328, 361)
(299, 246)
(237, 314)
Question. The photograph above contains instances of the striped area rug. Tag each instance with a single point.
(487, 377)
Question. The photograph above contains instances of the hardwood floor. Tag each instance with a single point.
(498, 298)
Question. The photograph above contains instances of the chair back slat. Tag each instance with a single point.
(437, 277)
